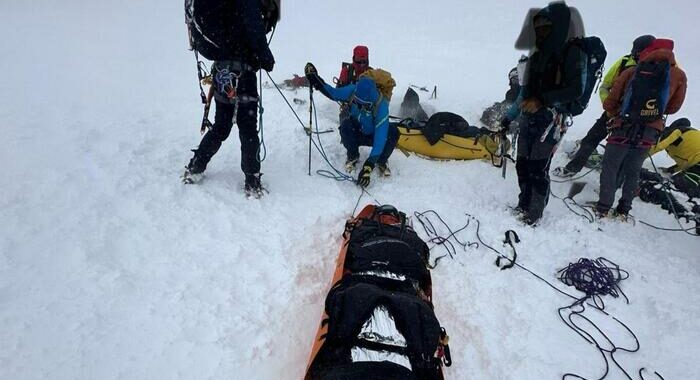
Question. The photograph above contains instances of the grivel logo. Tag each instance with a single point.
(651, 108)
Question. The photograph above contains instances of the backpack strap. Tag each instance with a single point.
(351, 74)
(562, 58)
(623, 65)
(377, 103)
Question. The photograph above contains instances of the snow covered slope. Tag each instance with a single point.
(111, 269)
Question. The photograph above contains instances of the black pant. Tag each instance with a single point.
(534, 158)
(352, 138)
(651, 190)
(688, 181)
(246, 118)
(595, 135)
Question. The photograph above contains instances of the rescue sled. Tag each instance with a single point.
(378, 320)
(447, 136)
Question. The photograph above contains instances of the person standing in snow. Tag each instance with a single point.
(368, 124)
(637, 105)
(553, 77)
(599, 130)
(350, 73)
(234, 81)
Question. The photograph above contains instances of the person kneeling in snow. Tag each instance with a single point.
(368, 124)
(682, 143)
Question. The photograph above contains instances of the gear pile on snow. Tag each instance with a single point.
(379, 321)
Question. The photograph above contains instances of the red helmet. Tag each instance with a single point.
(360, 53)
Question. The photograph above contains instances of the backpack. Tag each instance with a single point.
(385, 83)
(349, 305)
(206, 26)
(209, 25)
(647, 93)
(595, 53)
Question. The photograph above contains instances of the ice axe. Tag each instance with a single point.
(575, 189)
(206, 124)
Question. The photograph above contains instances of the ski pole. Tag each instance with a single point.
(504, 155)
(311, 113)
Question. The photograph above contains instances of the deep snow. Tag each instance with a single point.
(111, 269)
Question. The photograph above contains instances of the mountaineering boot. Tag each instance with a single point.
(595, 160)
(253, 186)
(350, 165)
(384, 170)
(600, 212)
(189, 177)
(194, 171)
(563, 172)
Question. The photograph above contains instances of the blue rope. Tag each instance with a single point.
(334, 173)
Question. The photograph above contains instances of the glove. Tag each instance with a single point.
(505, 124)
(267, 60)
(364, 176)
(312, 75)
(531, 105)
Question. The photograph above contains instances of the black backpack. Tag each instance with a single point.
(595, 53)
(390, 256)
(350, 304)
(211, 28)
(647, 93)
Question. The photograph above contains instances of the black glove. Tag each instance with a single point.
(312, 75)
(505, 123)
(364, 176)
(267, 60)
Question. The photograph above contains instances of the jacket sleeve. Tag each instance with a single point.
(613, 102)
(253, 24)
(381, 132)
(514, 111)
(678, 97)
(573, 80)
(340, 94)
(663, 144)
(609, 79)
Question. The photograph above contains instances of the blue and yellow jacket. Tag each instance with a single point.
(374, 121)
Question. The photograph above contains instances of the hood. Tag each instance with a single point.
(660, 44)
(366, 90)
(660, 55)
(566, 24)
(560, 17)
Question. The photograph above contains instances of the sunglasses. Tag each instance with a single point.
(362, 105)
(362, 62)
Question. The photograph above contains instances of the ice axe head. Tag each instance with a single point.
(575, 189)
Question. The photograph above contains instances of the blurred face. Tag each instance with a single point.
(360, 63)
(541, 34)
